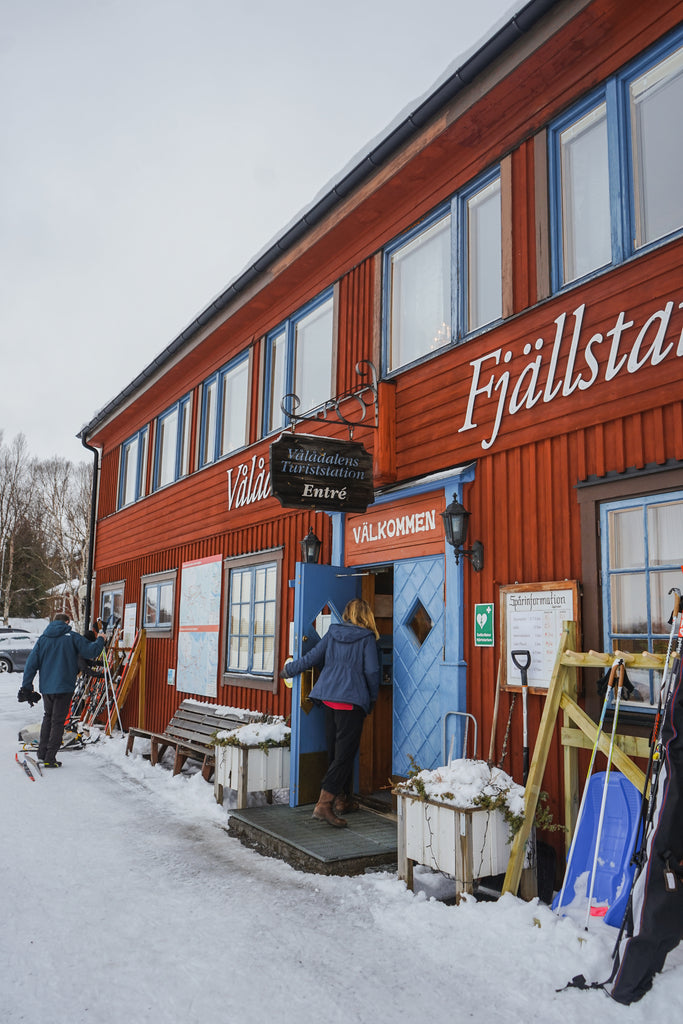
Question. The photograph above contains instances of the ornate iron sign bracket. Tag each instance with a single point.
(357, 402)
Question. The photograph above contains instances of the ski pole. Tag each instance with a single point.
(522, 660)
(603, 803)
(594, 751)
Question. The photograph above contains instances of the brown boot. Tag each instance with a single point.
(344, 804)
(323, 810)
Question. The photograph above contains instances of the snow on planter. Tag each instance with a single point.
(458, 819)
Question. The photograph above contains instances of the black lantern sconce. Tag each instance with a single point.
(455, 523)
(310, 547)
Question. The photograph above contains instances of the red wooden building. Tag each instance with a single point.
(508, 258)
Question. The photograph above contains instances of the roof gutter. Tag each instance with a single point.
(387, 147)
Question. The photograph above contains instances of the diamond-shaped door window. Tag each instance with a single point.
(419, 622)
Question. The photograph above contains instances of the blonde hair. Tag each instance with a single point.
(359, 613)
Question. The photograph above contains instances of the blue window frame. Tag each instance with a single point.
(443, 278)
(133, 468)
(252, 620)
(299, 360)
(172, 447)
(225, 411)
(642, 553)
(614, 164)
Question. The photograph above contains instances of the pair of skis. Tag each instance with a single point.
(27, 767)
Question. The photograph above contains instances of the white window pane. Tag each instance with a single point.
(484, 268)
(629, 603)
(129, 471)
(627, 539)
(151, 597)
(657, 141)
(165, 603)
(257, 661)
(277, 379)
(142, 478)
(421, 295)
(185, 428)
(233, 657)
(209, 422)
(313, 357)
(243, 658)
(586, 233)
(665, 533)
(661, 601)
(234, 411)
(260, 584)
(270, 583)
(268, 654)
(166, 445)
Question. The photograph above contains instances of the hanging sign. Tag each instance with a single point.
(322, 473)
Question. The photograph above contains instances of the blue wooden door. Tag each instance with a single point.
(318, 588)
(418, 653)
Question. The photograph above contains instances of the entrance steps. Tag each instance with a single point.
(293, 835)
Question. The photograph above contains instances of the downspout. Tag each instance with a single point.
(93, 520)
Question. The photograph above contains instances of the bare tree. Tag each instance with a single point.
(16, 477)
(65, 490)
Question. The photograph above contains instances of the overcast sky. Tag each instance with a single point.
(150, 148)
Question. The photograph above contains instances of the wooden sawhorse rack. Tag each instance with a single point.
(562, 694)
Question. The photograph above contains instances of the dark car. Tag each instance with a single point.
(14, 650)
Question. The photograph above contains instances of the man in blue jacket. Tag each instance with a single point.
(55, 657)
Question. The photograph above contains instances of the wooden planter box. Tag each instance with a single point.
(250, 770)
(467, 843)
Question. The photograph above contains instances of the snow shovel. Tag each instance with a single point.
(522, 660)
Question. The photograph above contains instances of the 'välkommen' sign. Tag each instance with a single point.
(319, 472)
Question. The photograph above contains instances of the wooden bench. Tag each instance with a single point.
(189, 734)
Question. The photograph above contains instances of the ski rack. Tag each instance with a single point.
(562, 695)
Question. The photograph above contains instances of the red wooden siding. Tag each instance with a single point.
(286, 531)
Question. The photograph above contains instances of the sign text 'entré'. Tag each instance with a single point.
(323, 473)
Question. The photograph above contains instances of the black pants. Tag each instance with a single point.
(343, 731)
(55, 709)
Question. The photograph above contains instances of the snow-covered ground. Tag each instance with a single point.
(125, 901)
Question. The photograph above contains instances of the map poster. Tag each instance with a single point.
(532, 617)
(198, 626)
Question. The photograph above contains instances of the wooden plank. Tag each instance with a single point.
(632, 746)
(532, 791)
(588, 726)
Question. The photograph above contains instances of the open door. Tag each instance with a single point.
(322, 592)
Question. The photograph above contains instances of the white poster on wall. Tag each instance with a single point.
(130, 613)
(198, 626)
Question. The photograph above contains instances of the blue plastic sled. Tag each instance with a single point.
(614, 872)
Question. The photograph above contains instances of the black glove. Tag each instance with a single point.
(28, 695)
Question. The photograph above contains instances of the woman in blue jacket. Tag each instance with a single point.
(347, 686)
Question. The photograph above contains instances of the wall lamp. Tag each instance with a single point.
(310, 547)
(455, 523)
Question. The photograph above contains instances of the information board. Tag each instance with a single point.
(199, 621)
(531, 619)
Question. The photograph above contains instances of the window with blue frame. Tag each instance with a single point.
(253, 589)
(614, 164)
(299, 361)
(158, 601)
(642, 554)
(225, 411)
(172, 449)
(443, 278)
(133, 468)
